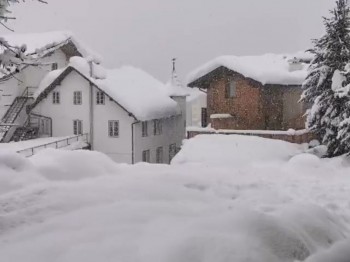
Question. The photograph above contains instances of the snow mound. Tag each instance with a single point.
(80, 206)
(72, 165)
(235, 150)
(267, 69)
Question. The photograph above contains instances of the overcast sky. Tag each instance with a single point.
(148, 33)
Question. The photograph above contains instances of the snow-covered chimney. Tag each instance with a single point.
(295, 64)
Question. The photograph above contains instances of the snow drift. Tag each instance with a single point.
(263, 201)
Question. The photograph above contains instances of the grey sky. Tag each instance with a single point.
(148, 33)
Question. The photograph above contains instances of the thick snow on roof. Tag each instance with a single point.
(135, 90)
(40, 42)
(267, 69)
(37, 41)
(139, 93)
(172, 89)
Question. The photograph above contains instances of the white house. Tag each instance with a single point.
(126, 112)
(48, 51)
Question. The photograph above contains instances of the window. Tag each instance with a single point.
(172, 151)
(54, 66)
(157, 127)
(146, 156)
(78, 127)
(144, 129)
(77, 98)
(100, 98)
(159, 155)
(56, 97)
(113, 128)
(231, 89)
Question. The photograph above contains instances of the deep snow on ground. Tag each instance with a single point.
(223, 199)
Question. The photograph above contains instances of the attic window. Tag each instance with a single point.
(100, 98)
(56, 97)
(231, 87)
(54, 66)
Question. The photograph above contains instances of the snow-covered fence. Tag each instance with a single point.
(69, 143)
(292, 136)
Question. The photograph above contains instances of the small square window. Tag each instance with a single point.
(56, 97)
(77, 98)
(146, 156)
(157, 127)
(144, 129)
(100, 98)
(113, 128)
(159, 155)
(54, 66)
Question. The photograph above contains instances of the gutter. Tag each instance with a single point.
(133, 143)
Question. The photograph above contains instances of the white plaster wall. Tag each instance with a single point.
(117, 148)
(194, 110)
(152, 142)
(31, 76)
(9, 91)
(63, 115)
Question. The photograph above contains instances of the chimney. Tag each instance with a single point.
(295, 64)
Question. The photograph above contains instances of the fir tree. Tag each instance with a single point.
(326, 77)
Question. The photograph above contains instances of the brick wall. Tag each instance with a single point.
(246, 107)
(254, 107)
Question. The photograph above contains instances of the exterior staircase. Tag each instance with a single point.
(25, 133)
(11, 120)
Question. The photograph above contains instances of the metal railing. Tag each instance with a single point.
(28, 152)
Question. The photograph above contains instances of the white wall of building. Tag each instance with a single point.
(63, 115)
(195, 102)
(30, 76)
(151, 142)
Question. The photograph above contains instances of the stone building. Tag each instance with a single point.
(253, 92)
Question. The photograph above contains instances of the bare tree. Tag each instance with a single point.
(12, 56)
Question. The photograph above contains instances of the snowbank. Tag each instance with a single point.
(253, 202)
(267, 69)
(235, 150)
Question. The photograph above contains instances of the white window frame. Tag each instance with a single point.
(77, 98)
(113, 128)
(159, 155)
(157, 127)
(231, 89)
(56, 99)
(146, 156)
(77, 127)
(100, 98)
(144, 129)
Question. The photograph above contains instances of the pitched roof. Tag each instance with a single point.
(266, 69)
(38, 44)
(134, 90)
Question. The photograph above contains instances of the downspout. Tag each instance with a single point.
(132, 143)
(91, 108)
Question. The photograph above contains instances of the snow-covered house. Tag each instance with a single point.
(128, 114)
(47, 51)
(254, 92)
